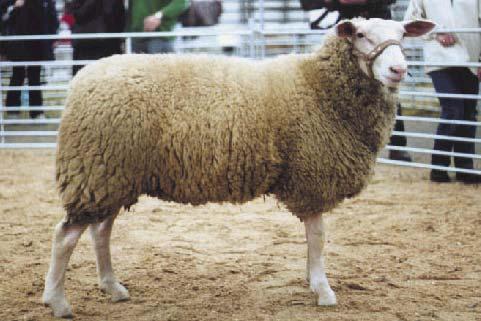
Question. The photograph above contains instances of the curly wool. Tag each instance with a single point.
(196, 129)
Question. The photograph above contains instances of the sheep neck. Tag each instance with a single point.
(361, 106)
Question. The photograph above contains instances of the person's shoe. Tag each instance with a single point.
(37, 115)
(468, 178)
(438, 176)
(400, 155)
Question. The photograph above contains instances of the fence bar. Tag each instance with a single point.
(33, 108)
(27, 145)
(443, 137)
(443, 64)
(56, 63)
(404, 93)
(60, 108)
(436, 95)
(178, 33)
(49, 63)
(41, 87)
(432, 151)
(304, 31)
(193, 32)
(429, 166)
(31, 121)
(30, 133)
(438, 120)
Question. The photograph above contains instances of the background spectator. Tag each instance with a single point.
(27, 17)
(461, 48)
(97, 16)
(349, 9)
(154, 15)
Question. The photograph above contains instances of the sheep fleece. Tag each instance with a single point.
(197, 128)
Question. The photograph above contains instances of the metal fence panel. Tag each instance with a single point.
(252, 29)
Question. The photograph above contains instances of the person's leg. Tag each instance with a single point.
(77, 55)
(397, 140)
(470, 85)
(444, 81)
(160, 46)
(34, 96)
(139, 45)
(13, 96)
(93, 54)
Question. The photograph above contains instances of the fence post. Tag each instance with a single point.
(2, 126)
(261, 13)
(262, 25)
(128, 45)
(251, 37)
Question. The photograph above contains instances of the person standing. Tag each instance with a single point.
(27, 17)
(456, 48)
(349, 9)
(154, 15)
(96, 16)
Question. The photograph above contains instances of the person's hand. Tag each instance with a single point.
(19, 3)
(446, 39)
(151, 23)
(479, 73)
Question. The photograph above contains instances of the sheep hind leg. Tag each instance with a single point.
(64, 241)
(317, 276)
(108, 283)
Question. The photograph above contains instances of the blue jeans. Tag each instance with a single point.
(455, 80)
(152, 45)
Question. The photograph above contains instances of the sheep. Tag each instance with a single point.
(198, 128)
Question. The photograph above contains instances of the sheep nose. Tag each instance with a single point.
(398, 70)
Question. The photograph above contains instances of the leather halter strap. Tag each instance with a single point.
(376, 52)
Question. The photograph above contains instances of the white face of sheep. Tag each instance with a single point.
(370, 36)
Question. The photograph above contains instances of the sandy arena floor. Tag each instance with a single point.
(405, 249)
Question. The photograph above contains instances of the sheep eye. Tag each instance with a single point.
(360, 35)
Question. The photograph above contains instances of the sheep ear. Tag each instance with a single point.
(418, 28)
(345, 29)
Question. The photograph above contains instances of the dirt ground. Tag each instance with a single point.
(405, 249)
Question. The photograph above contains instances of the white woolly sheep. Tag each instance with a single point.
(197, 129)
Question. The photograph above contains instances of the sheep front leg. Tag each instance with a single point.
(100, 233)
(64, 241)
(316, 273)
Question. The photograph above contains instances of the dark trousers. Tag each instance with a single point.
(17, 79)
(455, 80)
(396, 140)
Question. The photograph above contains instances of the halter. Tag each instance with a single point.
(376, 52)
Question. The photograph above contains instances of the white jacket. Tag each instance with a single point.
(449, 14)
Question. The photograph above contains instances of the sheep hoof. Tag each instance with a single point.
(117, 291)
(59, 306)
(327, 299)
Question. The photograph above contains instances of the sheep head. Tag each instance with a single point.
(377, 45)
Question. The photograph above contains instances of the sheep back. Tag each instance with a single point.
(188, 129)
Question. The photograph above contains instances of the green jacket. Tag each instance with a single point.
(171, 9)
